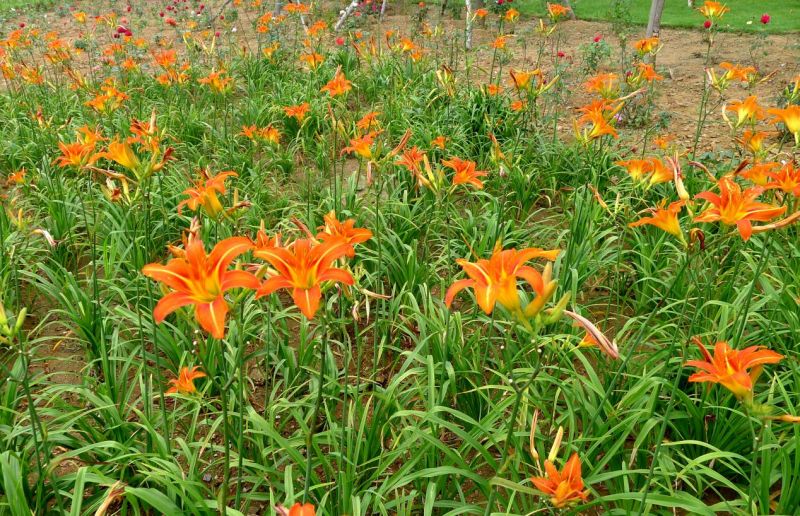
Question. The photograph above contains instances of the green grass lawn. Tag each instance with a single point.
(785, 13)
(7, 5)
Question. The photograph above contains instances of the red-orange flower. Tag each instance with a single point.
(736, 370)
(184, 383)
(495, 280)
(465, 172)
(202, 280)
(564, 488)
(302, 267)
(734, 206)
(346, 232)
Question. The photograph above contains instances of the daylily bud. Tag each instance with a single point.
(20, 320)
(556, 444)
(558, 311)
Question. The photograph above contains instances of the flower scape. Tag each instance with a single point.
(395, 258)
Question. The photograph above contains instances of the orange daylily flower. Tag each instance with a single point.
(184, 383)
(758, 173)
(734, 206)
(712, 9)
(481, 13)
(345, 231)
(439, 142)
(564, 488)
(753, 140)
(664, 217)
(76, 154)
(493, 89)
(736, 370)
(298, 509)
(646, 74)
(204, 193)
(367, 121)
(660, 173)
(312, 60)
(557, 11)
(499, 43)
(521, 79)
(302, 267)
(411, 159)
(465, 172)
(217, 81)
(598, 113)
(511, 15)
(16, 178)
(786, 179)
(604, 84)
(647, 45)
(122, 154)
(748, 111)
(201, 280)
(790, 116)
(495, 280)
(298, 112)
(362, 145)
(339, 85)
(638, 169)
(737, 73)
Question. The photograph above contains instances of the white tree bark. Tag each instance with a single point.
(654, 22)
(345, 14)
(468, 29)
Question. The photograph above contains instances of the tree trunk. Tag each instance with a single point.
(468, 29)
(654, 22)
(571, 10)
(345, 14)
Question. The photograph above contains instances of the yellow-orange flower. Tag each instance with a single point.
(646, 45)
(204, 193)
(184, 383)
(557, 11)
(605, 84)
(564, 488)
(122, 153)
(734, 206)
(302, 267)
(790, 116)
(201, 280)
(758, 173)
(712, 9)
(786, 179)
(339, 85)
(217, 81)
(664, 217)
(736, 370)
(495, 280)
(362, 145)
(753, 140)
(748, 111)
(638, 169)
